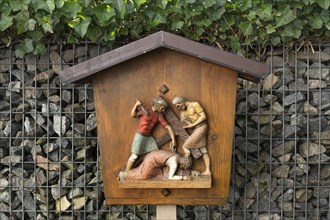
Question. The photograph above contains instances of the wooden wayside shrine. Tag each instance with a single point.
(166, 65)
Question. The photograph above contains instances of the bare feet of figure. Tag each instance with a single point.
(206, 173)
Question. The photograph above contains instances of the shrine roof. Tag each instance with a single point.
(247, 69)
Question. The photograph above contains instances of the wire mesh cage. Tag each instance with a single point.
(49, 155)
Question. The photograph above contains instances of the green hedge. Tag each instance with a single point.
(231, 24)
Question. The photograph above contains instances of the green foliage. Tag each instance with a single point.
(233, 24)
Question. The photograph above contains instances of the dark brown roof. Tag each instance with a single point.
(248, 69)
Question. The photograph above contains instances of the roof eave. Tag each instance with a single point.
(247, 69)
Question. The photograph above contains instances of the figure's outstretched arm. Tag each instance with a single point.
(172, 135)
(172, 163)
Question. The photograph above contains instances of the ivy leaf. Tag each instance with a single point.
(22, 19)
(190, 1)
(216, 14)
(290, 31)
(47, 5)
(47, 24)
(94, 33)
(104, 13)
(130, 8)
(47, 27)
(59, 3)
(50, 5)
(211, 39)
(39, 49)
(246, 28)
(19, 5)
(138, 3)
(208, 3)
(275, 41)
(199, 31)
(315, 22)
(220, 3)
(23, 48)
(265, 13)
(306, 2)
(36, 35)
(234, 43)
(120, 5)
(245, 5)
(5, 9)
(5, 22)
(324, 4)
(270, 29)
(206, 22)
(31, 24)
(159, 19)
(327, 25)
(86, 3)
(72, 39)
(70, 9)
(162, 3)
(112, 35)
(177, 25)
(82, 26)
(285, 16)
(252, 15)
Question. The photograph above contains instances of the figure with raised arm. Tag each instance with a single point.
(143, 141)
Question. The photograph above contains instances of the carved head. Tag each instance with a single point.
(159, 104)
(185, 162)
(179, 102)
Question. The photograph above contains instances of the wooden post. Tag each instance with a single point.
(166, 212)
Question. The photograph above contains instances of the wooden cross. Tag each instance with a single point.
(178, 129)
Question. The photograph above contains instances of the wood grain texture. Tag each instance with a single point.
(115, 90)
(202, 182)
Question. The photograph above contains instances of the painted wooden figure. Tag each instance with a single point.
(161, 164)
(143, 141)
(193, 115)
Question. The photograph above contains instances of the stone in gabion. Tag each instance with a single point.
(62, 204)
(91, 122)
(313, 56)
(289, 100)
(6, 64)
(320, 98)
(318, 71)
(61, 124)
(303, 195)
(271, 82)
(4, 106)
(308, 149)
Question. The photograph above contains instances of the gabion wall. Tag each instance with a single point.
(49, 156)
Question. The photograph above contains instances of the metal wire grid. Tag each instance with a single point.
(312, 180)
(88, 167)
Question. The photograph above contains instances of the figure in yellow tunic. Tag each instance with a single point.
(194, 116)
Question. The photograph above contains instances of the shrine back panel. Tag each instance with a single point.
(115, 90)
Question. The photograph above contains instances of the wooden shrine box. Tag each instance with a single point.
(140, 70)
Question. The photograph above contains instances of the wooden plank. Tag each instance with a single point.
(165, 201)
(202, 182)
(166, 212)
